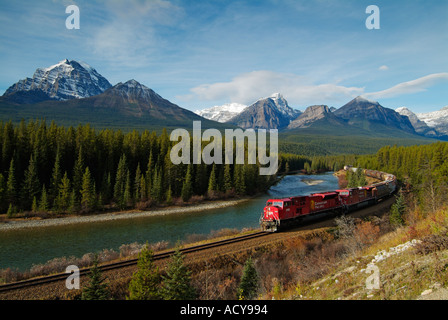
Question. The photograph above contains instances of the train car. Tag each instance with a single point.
(287, 211)
(355, 198)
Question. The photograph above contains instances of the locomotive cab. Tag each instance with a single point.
(272, 212)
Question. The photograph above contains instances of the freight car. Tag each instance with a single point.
(281, 213)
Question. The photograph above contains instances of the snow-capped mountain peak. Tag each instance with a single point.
(436, 119)
(68, 79)
(222, 113)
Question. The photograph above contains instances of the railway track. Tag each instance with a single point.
(122, 264)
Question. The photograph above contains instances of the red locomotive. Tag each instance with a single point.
(284, 212)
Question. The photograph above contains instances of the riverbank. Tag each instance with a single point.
(122, 215)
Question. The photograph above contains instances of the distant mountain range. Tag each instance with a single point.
(267, 113)
(73, 92)
(359, 114)
(430, 123)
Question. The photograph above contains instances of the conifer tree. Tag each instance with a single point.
(240, 184)
(177, 282)
(145, 282)
(187, 188)
(96, 289)
(56, 176)
(62, 201)
(78, 172)
(228, 184)
(397, 211)
(212, 184)
(11, 193)
(87, 192)
(31, 186)
(120, 182)
(249, 282)
(43, 203)
(137, 185)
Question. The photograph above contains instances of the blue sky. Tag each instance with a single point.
(200, 53)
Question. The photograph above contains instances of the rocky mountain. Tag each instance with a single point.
(366, 113)
(314, 115)
(268, 113)
(222, 113)
(436, 119)
(419, 126)
(126, 106)
(63, 81)
(135, 99)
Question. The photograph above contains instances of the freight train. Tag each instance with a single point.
(281, 213)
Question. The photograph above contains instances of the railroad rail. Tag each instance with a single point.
(122, 264)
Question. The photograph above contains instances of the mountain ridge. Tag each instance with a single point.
(63, 81)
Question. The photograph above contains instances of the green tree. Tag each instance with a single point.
(96, 289)
(31, 186)
(56, 176)
(145, 282)
(78, 172)
(87, 192)
(177, 282)
(228, 183)
(239, 178)
(43, 203)
(212, 184)
(120, 182)
(248, 287)
(62, 201)
(397, 211)
(11, 194)
(187, 188)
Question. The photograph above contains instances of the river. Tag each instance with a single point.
(21, 249)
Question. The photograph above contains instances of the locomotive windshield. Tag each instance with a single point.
(275, 203)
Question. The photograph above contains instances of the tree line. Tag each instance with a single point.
(51, 168)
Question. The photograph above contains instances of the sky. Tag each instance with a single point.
(202, 53)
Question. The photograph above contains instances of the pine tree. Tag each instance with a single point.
(96, 289)
(228, 183)
(78, 172)
(120, 182)
(212, 184)
(11, 193)
(55, 176)
(240, 184)
(177, 282)
(43, 203)
(169, 196)
(145, 282)
(31, 186)
(87, 192)
(137, 185)
(187, 188)
(249, 281)
(62, 201)
(397, 211)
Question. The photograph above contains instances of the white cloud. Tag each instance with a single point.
(248, 87)
(128, 35)
(383, 68)
(409, 87)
